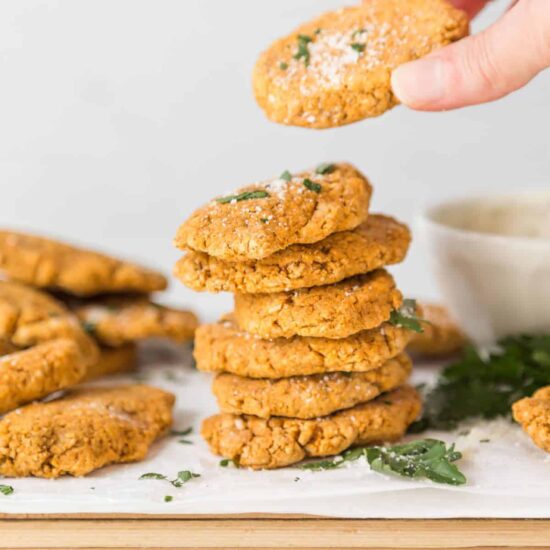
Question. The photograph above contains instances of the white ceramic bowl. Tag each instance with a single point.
(491, 258)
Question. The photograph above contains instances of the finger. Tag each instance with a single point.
(471, 7)
(480, 68)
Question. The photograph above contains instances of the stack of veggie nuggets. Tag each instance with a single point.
(312, 359)
(69, 315)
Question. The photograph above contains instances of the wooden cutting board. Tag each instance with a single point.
(63, 532)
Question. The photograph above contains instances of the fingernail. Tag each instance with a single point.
(420, 83)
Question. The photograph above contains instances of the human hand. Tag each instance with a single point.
(483, 67)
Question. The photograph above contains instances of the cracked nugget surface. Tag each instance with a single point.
(84, 431)
(260, 443)
(336, 69)
(533, 413)
(223, 347)
(116, 321)
(113, 361)
(285, 213)
(333, 311)
(441, 336)
(29, 317)
(50, 264)
(378, 242)
(38, 372)
(308, 396)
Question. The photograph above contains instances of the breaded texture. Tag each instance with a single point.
(308, 396)
(38, 372)
(29, 317)
(292, 212)
(334, 311)
(84, 431)
(222, 347)
(378, 242)
(533, 413)
(336, 69)
(441, 336)
(260, 443)
(116, 321)
(113, 361)
(50, 264)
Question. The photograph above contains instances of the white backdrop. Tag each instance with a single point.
(118, 117)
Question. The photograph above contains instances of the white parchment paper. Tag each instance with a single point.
(507, 475)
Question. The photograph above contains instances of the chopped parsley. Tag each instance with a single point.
(183, 477)
(152, 475)
(89, 327)
(185, 442)
(479, 386)
(424, 458)
(168, 498)
(312, 186)
(6, 489)
(406, 317)
(246, 196)
(317, 31)
(303, 48)
(325, 168)
(355, 33)
(286, 176)
(283, 66)
(182, 433)
(358, 47)
(228, 463)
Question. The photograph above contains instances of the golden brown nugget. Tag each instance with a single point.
(533, 413)
(334, 311)
(378, 242)
(260, 443)
(115, 321)
(222, 347)
(308, 396)
(88, 429)
(29, 317)
(50, 264)
(39, 372)
(441, 336)
(261, 219)
(113, 361)
(336, 69)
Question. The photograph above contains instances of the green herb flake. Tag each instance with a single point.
(303, 49)
(246, 196)
(168, 498)
(152, 475)
(325, 168)
(6, 490)
(228, 463)
(360, 48)
(486, 386)
(286, 176)
(323, 465)
(484, 440)
(185, 442)
(406, 317)
(89, 327)
(318, 31)
(312, 186)
(182, 433)
(357, 32)
(183, 477)
(283, 66)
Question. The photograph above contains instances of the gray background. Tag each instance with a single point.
(119, 117)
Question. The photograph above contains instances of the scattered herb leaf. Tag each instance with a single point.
(89, 327)
(246, 196)
(323, 465)
(312, 186)
(264, 220)
(325, 168)
(479, 386)
(283, 66)
(318, 31)
(406, 317)
(355, 33)
(303, 48)
(185, 442)
(152, 475)
(183, 477)
(358, 47)
(227, 463)
(6, 489)
(168, 498)
(484, 440)
(286, 176)
(182, 433)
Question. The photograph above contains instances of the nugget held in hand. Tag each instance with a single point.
(336, 69)
(84, 431)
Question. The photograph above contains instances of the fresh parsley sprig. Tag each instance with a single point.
(406, 316)
(424, 458)
(246, 196)
(478, 386)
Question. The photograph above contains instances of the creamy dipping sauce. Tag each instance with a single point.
(514, 216)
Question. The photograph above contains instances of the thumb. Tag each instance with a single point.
(483, 67)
